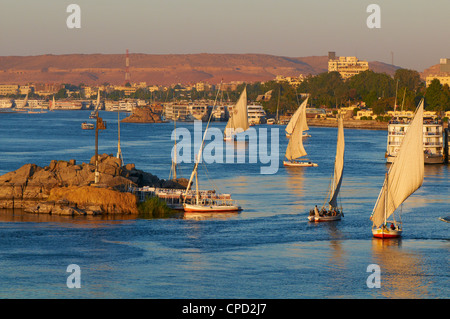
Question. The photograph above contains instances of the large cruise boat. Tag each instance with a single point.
(256, 114)
(200, 110)
(180, 111)
(6, 103)
(433, 145)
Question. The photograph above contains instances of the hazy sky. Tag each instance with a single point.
(415, 30)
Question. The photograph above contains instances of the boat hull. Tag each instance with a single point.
(427, 159)
(211, 208)
(385, 233)
(318, 219)
(299, 164)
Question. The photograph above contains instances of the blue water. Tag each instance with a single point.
(269, 250)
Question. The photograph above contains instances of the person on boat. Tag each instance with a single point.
(392, 226)
(316, 211)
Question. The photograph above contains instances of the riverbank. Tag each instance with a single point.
(353, 124)
(349, 123)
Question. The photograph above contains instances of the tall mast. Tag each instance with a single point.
(174, 160)
(119, 151)
(386, 198)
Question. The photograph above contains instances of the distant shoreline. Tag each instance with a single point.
(349, 123)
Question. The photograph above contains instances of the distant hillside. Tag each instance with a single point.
(161, 69)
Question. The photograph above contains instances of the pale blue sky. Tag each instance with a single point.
(415, 30)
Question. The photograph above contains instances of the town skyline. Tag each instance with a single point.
(409, 35)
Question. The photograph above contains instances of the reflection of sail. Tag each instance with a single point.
(295, 189)
(295, 180)
(399, 271)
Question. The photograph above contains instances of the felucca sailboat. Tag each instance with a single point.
(209, 201)
(295, 147)
(95, 111)
(404, 177)
(334, 212)
(301, 112)
(238, 121)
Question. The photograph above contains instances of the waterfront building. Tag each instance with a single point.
(315, 113)
(346, 66)
(6, 89)
(364, 113)
(25, 89)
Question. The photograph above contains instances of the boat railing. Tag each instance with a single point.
(212, 201)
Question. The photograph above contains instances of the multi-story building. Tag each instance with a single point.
(6, 89)
(346, 66)
(25, 89)
(202, 86)
(444, 79)
(444, 66)
(292, 80)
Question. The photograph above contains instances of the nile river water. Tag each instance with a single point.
(269, 250)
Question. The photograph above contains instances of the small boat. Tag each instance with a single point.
(209, 206)
(295, 163)
(94, 113)
(238, 121)
(295, 147)
(87, 126)
(198, 203)
(333, 212)
(51, 108)
(404, 177)
(445, 219)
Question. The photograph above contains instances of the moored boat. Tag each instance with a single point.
(87, 126)
(217, 203)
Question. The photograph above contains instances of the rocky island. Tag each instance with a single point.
(66, 188)
(143, 114)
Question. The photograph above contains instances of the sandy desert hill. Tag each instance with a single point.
(161, 69)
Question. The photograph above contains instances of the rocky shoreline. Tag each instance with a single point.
(66, 188)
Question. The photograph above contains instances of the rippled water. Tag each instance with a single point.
(269, 250)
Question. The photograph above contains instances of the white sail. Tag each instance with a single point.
(53, 104)
(406, 173)
(301, 112)
(338, 164)
(295, 147)
(238, 121)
